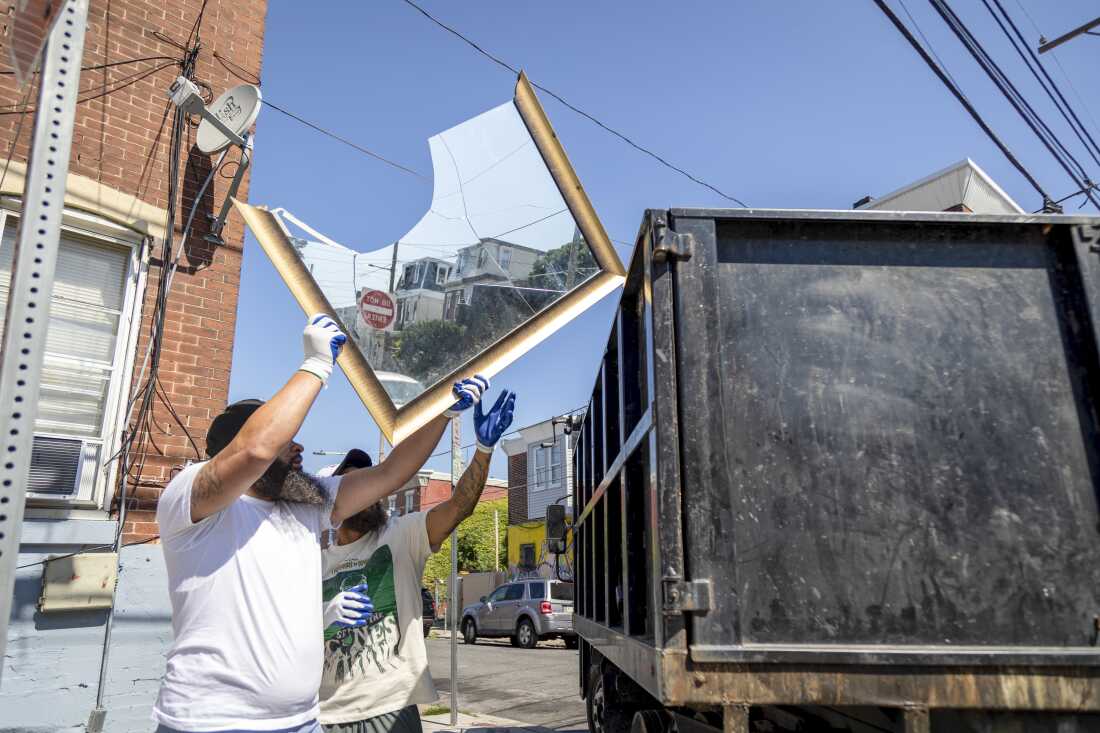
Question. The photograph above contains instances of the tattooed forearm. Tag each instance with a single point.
(469, 487)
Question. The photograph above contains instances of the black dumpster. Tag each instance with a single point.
(840, 469)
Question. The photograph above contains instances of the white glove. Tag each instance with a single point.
(468, 392)
(321, 341)
(349, 609)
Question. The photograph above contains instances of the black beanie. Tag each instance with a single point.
(226, 425)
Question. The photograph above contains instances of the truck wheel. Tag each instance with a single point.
(604, 713)
(469, 631)
(526, 638)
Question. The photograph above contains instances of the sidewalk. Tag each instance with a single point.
(481, 724)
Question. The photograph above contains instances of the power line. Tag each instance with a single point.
(118, 85)
(112, 64)
(573, 107)
(1046, 136)
(343, 140)
(1073, 88)
(962, 99)
(1054, 93)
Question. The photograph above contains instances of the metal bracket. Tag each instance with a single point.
(671, 245)
(1087, 235)
(685, 596)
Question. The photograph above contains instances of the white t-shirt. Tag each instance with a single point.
(245, 586)
(383, 666)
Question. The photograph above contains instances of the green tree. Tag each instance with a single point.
(427, 349)
(475, 544)
(572, 262)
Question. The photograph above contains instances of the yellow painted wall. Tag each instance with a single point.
(533, 532)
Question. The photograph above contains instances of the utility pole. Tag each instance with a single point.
(1045, 45)
(34, 260)
(452, 604)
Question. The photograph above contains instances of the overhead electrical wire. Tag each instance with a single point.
(962, 99)
(344, 140)
(116, 86)
(574, 108)
(1046, 136)
(1019, 43)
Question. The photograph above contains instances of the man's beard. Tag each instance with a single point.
(371, 519)
(280, 482)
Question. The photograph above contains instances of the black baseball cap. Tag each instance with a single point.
(353, 460)
(226, 425)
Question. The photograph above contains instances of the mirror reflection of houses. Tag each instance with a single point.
(419, 292)
(489, 263)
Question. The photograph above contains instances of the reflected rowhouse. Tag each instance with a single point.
(509, 251)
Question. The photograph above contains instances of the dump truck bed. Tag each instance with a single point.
(855, 442)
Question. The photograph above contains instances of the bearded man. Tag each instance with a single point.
(376, 669)
(241, 537)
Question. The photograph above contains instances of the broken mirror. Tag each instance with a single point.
(497, 246)
(509, 251)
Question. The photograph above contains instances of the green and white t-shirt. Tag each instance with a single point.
(383, 666)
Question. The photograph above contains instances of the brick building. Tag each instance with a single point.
(110, 263)
(429, 488)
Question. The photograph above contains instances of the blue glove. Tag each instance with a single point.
(468, 392)
(490, 427)
(349, 609)
(321, 341)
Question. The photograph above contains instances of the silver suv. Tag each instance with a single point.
(527, 611)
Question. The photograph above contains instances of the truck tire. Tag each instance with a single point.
(604, 713)
(469, 631)
(526, 637)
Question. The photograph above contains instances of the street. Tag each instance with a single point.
(535, 687)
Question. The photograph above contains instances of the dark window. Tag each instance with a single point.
(514, 592)
(561, 591)
(498, 594)
(538, 591)
(527, 555)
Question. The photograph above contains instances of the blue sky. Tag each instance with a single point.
(782, 104)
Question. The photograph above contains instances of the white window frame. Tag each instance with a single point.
(441, 273)
(93, 499)
(410, 501)
(546, 481)
(505, 259)
(392, 503)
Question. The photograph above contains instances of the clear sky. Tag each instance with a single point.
(800, 104)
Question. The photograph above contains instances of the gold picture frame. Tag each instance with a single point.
(398, 423)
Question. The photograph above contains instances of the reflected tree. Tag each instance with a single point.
(426, 350)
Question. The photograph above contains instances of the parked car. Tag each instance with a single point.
(429, 610)
(526, 611)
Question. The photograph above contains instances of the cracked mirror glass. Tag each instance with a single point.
(497, 246)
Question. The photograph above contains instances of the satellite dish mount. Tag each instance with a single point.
(226, 122)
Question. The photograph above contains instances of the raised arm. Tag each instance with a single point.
(270, 428)
(443, 518)
(365, 486)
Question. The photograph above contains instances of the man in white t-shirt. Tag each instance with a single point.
(241, 537)
(376, 673)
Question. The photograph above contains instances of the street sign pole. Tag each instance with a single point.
(33, 262)
(452, 604)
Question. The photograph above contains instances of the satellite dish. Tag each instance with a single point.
(237, 109)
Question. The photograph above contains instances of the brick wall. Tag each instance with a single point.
(121, 140)
(517, 488)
